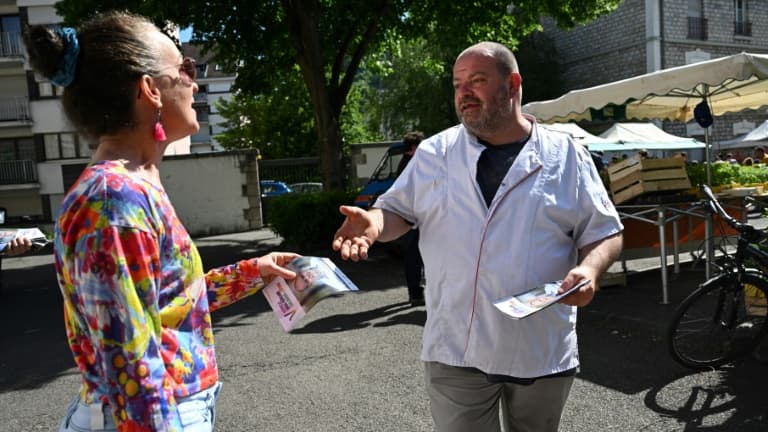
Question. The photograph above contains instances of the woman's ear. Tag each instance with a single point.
(149, 91)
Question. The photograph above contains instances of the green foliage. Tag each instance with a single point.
(751, 174)
(726, 173)
(406, 87)
(329, 40)
(279, 123)
(308, 219)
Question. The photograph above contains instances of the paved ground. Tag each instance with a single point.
(353, 365)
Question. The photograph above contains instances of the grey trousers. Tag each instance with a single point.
(464, 400)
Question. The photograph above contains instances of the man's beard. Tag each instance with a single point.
(493, 115)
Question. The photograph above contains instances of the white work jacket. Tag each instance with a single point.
(550, 204)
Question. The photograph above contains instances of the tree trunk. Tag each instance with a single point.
(302, 18)
(330, 144)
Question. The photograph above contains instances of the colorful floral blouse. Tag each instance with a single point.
(136, 301)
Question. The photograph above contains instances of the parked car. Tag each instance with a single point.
(306, 187)
(270, 188)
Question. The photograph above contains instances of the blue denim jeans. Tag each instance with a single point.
(197, 411)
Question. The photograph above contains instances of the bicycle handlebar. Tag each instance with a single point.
(747, 231)
(714, 204)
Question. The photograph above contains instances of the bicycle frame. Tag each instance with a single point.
(734, 266)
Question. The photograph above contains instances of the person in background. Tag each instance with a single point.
(414, 265)
(137, 304)
(760, 156)
(502, 205)
(16, 247)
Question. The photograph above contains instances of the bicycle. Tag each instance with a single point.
(725, 317)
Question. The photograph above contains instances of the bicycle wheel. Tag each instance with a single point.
(721, 320)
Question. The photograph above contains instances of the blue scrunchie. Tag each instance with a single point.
(66, 72)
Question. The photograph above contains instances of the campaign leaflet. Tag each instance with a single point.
(34, 234)
(316, 279)
(523, 305)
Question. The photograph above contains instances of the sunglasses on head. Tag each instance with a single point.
(187, 71)
(188, 68)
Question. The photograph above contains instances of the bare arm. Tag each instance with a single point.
(362, 228)
(595, 258)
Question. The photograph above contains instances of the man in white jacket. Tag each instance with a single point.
(502, 205)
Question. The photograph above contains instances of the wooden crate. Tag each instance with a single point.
(634, 176)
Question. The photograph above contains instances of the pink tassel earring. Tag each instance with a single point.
(159, 133)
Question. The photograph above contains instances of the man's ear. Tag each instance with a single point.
(148, 90)
(515, 81)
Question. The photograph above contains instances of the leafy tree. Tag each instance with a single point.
(407, 86)
(328, 39)
(279, 123)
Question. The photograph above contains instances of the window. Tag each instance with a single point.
(17, 149)
(47, 90)
(741, 24)
(64, 146)
(51, 142)
(10, 32)
(68, 147)
(7, 150)
(84, 149)
(697, 24)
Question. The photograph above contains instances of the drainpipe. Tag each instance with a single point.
(653, 39)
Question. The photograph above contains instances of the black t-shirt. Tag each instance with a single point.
(493, 165)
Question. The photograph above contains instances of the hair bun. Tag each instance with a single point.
(45, 48)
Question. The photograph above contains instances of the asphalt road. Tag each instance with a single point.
(353, 365)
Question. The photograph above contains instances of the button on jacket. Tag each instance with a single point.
(550, 204)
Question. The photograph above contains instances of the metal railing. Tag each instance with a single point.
(10, 44)
(742, 28)
(697, 28)
(18, 172)
(14, 109)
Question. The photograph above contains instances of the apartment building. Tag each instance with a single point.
(215, 83)
(643, 36)
(40, 153)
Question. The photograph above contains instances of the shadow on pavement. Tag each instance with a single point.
(622, 344)
(33, 329)
(345, 322)
(31, 314)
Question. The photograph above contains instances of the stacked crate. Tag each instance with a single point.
(635, 176)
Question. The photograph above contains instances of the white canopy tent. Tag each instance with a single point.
(635, 136)
(622, 137)
(728, 84)
(756, 137)
(580, 135)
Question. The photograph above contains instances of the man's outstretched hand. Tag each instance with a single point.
(357, 233)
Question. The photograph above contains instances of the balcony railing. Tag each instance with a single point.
(18, 172)
(697, 28)
(10, 44)
(14, 109)
(742, 28)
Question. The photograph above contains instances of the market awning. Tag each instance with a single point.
(730, 84)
